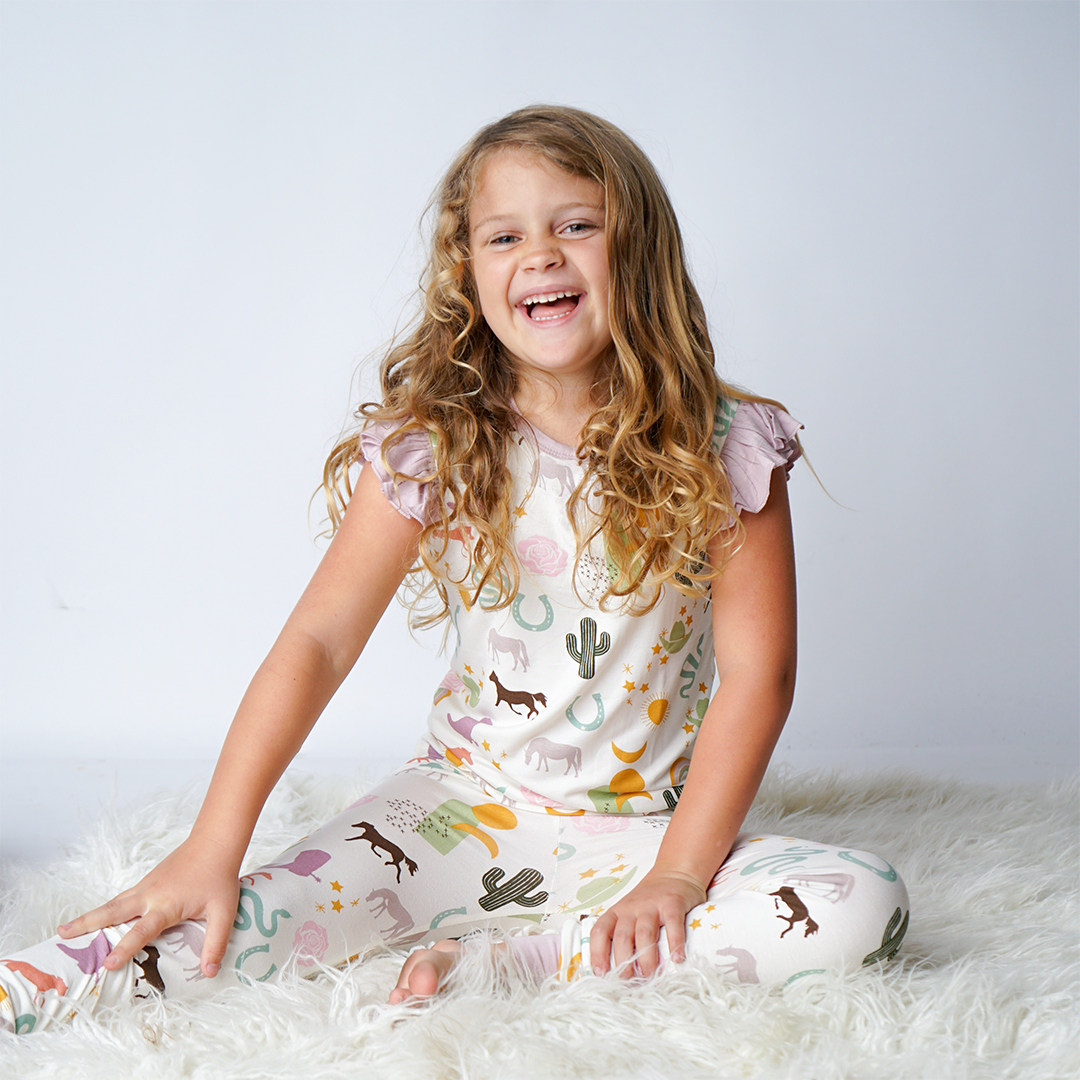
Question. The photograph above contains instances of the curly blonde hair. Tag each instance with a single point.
(648, 451)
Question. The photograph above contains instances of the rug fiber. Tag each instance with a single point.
(985, 986)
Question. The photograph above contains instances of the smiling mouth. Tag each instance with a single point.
(545, 307)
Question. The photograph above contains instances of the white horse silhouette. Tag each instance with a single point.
(514, 647)
(546, 751)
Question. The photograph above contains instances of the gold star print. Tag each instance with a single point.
(355, 902)
(520, 511)
(496, 764)
(616, 869)
(628, 686)
(336, 886)
(619, 855)
(648, 666)
(486, 745)
(656, 650)
(715, 925)
(468, 669)
(695, 924)
(682, 610)
(337, 905)
(664, 660)
(587, 873)
(644, 687)
(504, 755)
(689, 620)
(564, 905)
(629, 702)
(710, 907)
(702, 687)
(688, 728)
(319, 907)
(628, 668)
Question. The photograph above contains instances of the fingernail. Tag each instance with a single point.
(64, 926)
(211, 970)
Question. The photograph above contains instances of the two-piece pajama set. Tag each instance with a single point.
(557, 746)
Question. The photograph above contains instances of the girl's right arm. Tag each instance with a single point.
(320, 642)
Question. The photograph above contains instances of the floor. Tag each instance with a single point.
(46, 803)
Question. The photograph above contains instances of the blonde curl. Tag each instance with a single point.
(651, 467)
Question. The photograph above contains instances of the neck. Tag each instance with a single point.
(555, 408)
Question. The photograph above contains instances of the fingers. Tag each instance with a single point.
(141, 934)
(600, 942)
(646, 936)
(624, 948)
(631, 943)
(675, 931)
(119, 909)
(219, 924)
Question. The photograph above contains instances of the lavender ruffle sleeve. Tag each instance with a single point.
(413, 457)
(761, 438)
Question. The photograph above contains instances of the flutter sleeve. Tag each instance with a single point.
(411, 457)
(760, 439)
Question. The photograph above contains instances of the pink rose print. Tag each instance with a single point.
(539, 555)
(452, 681)
(310, 944)
(595, 824)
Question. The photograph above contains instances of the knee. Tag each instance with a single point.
(877, 911)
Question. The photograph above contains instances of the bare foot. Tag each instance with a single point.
(425, 971)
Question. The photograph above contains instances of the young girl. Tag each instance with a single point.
(559, 471)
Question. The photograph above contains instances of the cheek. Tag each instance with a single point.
(488, 292)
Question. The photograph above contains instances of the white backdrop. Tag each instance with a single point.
(209, 218)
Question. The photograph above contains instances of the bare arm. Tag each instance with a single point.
(316, 649)
(754, 627)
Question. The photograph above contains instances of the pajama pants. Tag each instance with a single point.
(431, 854)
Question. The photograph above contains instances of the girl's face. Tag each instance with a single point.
(539, 259)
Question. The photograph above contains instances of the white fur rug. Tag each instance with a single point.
(985, 986)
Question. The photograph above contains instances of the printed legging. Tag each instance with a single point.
(428, 854)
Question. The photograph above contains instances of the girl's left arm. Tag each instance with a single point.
(754, 626)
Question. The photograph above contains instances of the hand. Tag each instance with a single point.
(425, 971)
(631, 928)
(197, 881)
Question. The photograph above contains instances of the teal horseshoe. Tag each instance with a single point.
(445, 915)
(248, 952)
(599, 714)
(549, 614)
(887, 875)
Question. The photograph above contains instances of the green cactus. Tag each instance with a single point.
(590, 649)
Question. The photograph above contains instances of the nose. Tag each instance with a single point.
(541, 254)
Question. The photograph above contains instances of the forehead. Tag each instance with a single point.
(514, 175)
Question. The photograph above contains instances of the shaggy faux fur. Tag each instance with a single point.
(986, 985)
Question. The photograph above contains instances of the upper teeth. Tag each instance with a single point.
(546, 298)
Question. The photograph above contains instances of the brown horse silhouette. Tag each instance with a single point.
(799, 912)
(376, 840)
(517, 697)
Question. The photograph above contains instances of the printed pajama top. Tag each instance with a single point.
(553, 701)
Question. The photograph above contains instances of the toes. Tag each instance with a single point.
(424, 979)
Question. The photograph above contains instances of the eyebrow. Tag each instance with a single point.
(558, 210)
